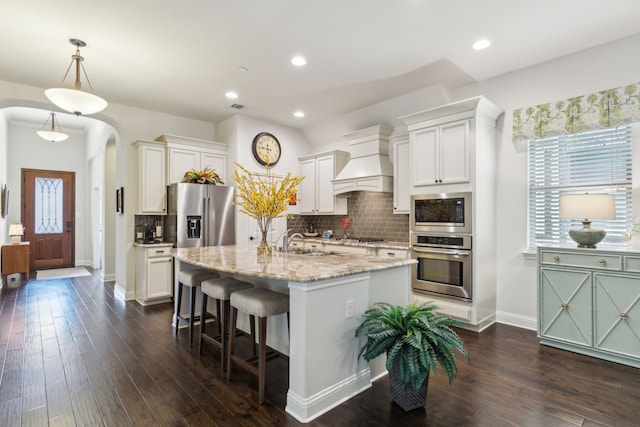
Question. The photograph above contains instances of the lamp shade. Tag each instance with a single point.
(76, 101)
(16, 231)
(587, 206)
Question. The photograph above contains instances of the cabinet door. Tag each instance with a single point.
(617, 313)
(424, 156)
(215, 162)
(565, 306)
(401, 198)
(325, 172)
(181, 161)
(454, 152)
(158, 277)
(307, 188)
(152, 180)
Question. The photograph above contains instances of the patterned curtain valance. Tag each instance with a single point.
(601, 110)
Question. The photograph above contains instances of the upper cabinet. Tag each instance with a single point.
(316, 189)
(450, 145)
(440, 154)
(401, 176)
(151, 178)
(184, 154)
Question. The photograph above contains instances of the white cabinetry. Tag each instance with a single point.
(440, 154)
(184, 154)
(401, 173)
(316, 189)
(151, 178)
(153, 274)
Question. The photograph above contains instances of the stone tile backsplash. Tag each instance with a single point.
(371, 215)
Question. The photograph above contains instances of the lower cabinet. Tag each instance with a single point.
(154, 268)
(589, 302)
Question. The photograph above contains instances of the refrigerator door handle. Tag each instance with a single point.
(205, 222)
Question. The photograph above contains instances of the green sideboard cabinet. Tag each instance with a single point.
(589, 302)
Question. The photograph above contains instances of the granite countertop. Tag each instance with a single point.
(352, 242)
(284, 266)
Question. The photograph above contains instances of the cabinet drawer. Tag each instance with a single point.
(631, 263)
(157, 252)
(569, 259)
(393, 253)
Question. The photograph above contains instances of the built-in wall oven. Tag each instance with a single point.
(441, 242)
(444, 265)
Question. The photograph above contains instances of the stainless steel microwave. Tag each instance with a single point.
(441, 213)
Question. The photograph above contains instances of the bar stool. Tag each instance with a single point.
(261, 303)
(192, 279)
(220, 289)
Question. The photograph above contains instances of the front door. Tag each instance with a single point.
(47, 214)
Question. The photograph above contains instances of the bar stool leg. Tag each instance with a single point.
(233, 317)
(262, 357)
(180, 285)
(203, 314)
(192, 309)
(224, 332)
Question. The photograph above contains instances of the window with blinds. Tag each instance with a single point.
(590, 162)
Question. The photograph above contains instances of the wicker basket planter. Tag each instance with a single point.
(403, 394)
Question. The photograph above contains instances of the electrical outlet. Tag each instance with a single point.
(139, 235)
(348, 309)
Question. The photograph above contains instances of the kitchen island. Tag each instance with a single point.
(328, 294)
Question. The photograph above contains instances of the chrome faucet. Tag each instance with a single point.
(286, 239)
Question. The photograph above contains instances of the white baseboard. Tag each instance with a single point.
(121, 293)
(517, 320)
(307, 409)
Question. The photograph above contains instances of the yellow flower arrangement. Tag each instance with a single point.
(264, 197)
(205, 176)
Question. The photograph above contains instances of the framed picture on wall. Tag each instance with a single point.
(5, 201)
(120, 200)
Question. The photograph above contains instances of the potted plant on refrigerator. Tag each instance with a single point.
(415, 339)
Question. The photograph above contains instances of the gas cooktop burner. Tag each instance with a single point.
(364, 239)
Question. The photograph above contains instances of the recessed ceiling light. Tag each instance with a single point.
(299, 114)
(243, 69)
(298, 61)
(481, 44)
(231, 95)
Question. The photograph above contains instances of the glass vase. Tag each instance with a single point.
(263, 246)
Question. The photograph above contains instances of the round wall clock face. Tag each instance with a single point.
(266, 149)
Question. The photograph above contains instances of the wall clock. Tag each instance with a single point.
(266, 149)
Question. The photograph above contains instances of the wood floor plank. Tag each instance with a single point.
(72, 353)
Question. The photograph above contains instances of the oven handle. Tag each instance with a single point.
(441, 251)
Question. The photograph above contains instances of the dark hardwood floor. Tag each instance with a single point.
(73, 354)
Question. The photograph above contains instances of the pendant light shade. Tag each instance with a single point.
(53, 134)
(75, 100)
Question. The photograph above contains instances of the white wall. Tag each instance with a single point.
(4, 222)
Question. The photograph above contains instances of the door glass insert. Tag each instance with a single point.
(48, 205)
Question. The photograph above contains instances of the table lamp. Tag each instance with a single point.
(587, 206)
(16, 231)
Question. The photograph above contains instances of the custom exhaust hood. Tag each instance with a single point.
(369, 168)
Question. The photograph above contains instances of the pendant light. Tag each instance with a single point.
(75, 100)
(54, 134)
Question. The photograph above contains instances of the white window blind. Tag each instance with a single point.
(590, 162)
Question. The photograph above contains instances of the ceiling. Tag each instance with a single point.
(180, 57)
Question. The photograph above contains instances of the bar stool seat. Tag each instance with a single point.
(261, 303)
(192, 279)
(220, 289)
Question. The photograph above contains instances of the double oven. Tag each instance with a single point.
(441, 242)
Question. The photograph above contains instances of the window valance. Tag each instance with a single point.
(600, 110)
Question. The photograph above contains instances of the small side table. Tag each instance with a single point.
(15, 259)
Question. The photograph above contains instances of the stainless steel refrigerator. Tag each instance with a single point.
(200, 215)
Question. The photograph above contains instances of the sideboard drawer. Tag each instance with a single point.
(632, 263)
(570, 259)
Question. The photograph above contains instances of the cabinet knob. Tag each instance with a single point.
(556, 258)
(602, 262)
(564, 305)
(623, 316)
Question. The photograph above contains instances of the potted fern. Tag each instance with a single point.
(416, 339)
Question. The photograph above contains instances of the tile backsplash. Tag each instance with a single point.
(371, 215)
